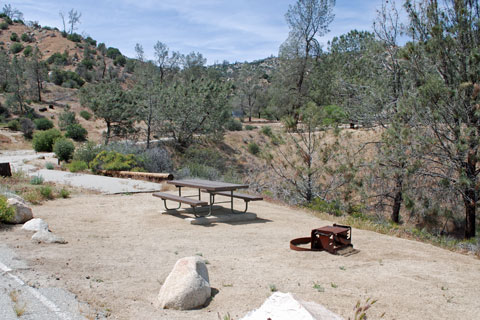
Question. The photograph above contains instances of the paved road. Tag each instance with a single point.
(106, 185)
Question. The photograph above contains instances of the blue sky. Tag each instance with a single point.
(233, 30)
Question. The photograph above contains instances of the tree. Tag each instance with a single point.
(62, 15)
(12, 13)
(307, 19)
(114, 105)
(444, 60)
(17, 82)
(248, 90)
(4, 69)
(73, 19)
(36, 72)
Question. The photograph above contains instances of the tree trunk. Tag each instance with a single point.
(107, 135)
(470, 197)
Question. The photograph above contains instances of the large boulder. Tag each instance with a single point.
(187, 286)
(23, 213)
(284, 306)
(36, 224)
(46, 236)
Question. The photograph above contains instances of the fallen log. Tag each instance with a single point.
(148, 176)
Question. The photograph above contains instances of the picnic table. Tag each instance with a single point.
(213, 188)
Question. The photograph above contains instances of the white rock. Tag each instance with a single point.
(36, 224)
(284, 306)
(23, 213)
(47, 237)
(187, 286)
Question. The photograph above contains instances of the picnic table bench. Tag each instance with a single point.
(213, 188)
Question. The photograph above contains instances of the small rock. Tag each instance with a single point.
(284, 306)
(187, 286)
(35, 225)
(47, 237)
(23, 213)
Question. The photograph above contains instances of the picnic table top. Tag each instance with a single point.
(208, 185)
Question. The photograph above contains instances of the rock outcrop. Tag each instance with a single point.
(23, 212)
(35, 225)
(46, 236)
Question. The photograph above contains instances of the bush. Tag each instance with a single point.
(87, 152)
(253, 148)
(27, 127)
(58, 58)
(85, 115)
(43, 124)
(49, 166)
(234, 125)
(67, 79)
(64, 193)
(26, 38)
(111, 160)
(28, 51)
(16, 48)
(156, 160)
(76, 132)
(46, 192)
(197, 170)
(13, 125)
(209, 157)
(250, 127)
(267, 130)
(44, 140)
(77, 165)
(3, 26)
(66, 118)
(91, 41)
(6, 212)
(75, 37)
(36, 180)
(112, 53)
(14, 37)
(63, 149)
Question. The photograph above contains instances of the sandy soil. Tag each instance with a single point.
(121, 248)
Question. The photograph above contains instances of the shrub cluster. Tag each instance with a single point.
(66, 118)
(68, 79)
(253, 148)
(14, 37)
(58, 58)
(3, 26)
(27, 127)
(43, 140)
(77, 166)
(27, 51)
(75, 37)
(234, 125)
(16, 47)
(111, 160)
(43, 124)
(26, 38)
(76, 132)
(6, 212)
(85, 115)
(63, 149)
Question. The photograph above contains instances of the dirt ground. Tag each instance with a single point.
(121, 248)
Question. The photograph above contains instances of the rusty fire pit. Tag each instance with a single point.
(336, 239)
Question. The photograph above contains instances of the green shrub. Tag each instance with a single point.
(267, 130)
(44, 140)
(91, 41)
(13, 125)
(250, 127)
(66, 118)
(198, 170)
(26, 38)
(14, 37)
(87, 152)
(85, 115)
(27, 126)
(330, 207)
(75, 37)
(6, 212)
(253, 148)
(43, 124)
(67, 79)
(76, 132)
(63, 149)
(16, 48)
(49, 166)
(36, 180)
(77, 165)
(46, 192)
(234, 125)
(111, 160)
(112, 53)
(27, 51)
(64, 193)
(3, 26)
(332, 115)
(206, 156)
(58, 58)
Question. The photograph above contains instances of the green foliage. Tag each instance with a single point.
(91, 41)
(330, 207)
(77, 165)
(3, 26)
(333, 115)
(43, 141)
(26, 38)
(68, 79)
(76, 132)
(46, 192)
(49, 166)
(113, 53)
(13, 125)
(64, 149)
(85, 115)
(16, 48)
(253, 148)
(75, 37)
(6, 212)
(27, 126)
(14, 37)
(234, 125)
(43, 124)
(88, 63)
(111, 160)
(58, 58)
(267, 130)
(250, 127)
(66, 118)
(27, 51)
(64, 193)
(36, 180)
(87, 152)
(120, 61)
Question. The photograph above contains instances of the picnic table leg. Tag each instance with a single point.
(167, 208)
(231, 201)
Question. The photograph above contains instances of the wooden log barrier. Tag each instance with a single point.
(148, 176)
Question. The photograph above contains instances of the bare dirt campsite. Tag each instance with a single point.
(121, 248)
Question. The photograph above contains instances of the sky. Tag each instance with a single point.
(232, 30)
